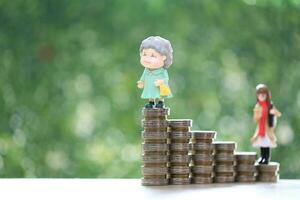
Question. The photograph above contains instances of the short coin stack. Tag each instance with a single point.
(202, 156)
(245, 167)
(179, 131)
(155, 147)
(224, 162)
(268, 173)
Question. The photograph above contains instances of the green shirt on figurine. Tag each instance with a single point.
(151, 91)
(156, 55)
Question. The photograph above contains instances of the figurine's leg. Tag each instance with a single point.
(262, 155)
(160, 103)
(267, 158)
(150, 104)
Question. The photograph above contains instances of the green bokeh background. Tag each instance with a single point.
(68, 70)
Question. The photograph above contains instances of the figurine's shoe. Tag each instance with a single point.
(160, 104)
(265, 162)
(150, 104)
(260, 160)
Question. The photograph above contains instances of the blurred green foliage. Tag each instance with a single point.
(69, 103)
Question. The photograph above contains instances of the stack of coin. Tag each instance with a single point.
(179, 131)
(155, 147)
(224, 162)
(268, 173)
(245, 167)
(202, 156)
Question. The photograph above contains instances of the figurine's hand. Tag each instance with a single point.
(273, 111)
(253, 139)
(140, 84)
(273, 138)
(158, 82)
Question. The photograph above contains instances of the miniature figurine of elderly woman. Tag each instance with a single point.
(156, 55)
(264, 114)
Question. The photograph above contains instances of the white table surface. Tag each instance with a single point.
(131, 189)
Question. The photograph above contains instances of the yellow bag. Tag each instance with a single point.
(164, 90)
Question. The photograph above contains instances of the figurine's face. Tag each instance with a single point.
(261, 96)
(152, 59)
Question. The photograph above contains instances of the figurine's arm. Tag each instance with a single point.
(275, 112)
(256, 113)
(140, 83)
(163, 79)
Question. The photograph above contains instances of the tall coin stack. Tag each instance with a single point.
(224, 162)
(245, 167)
(268, 173)
(155, 147)
(202, 156)
(179, 131)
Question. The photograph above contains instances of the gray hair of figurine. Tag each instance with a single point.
(161, 45)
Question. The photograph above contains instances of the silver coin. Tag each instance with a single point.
(202, 169)
(179, 147)
(273, 179)
(224, 179)
(224, 157)
(180, 122)
(245, 168)
(154, 123)
(203, 134)
(180, 135)
(202, 146)
(180, 158)
(155, 135)
(224, 145)
(180, 181)
(224, 168)
(248, 156)
(155, 111)
(155, 158)
(271, 167)
(154, 170)
(154, 182)
(245, 179)
(155, 147)
(202, 157)
(179, 170)
(202, 180)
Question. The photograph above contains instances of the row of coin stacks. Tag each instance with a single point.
(174, 154)
(179, 131)
(155, 155)
(202, 156)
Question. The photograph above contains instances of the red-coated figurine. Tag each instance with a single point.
(265, 115)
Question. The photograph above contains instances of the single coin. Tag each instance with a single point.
(150, 112)
(155, 135)
(154, 170)
(271, 167)
(245, 179)
(224, 179)
(224, 168)
(224, 145)
(154, 182)
(175, 135)
(180, 181)
(180, 122)
(155, 147)
(179, 170)
(202, 180)
(197, 134)
(155, 158)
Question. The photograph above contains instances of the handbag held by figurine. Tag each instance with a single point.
(164, 90)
